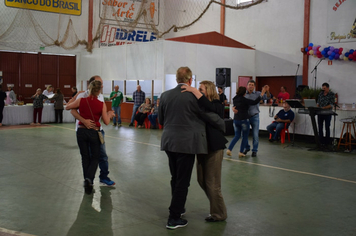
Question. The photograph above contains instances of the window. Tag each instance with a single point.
(243, 2)
(107, 89)
(131, 86)
(157, 89)
(146, 86)
(120, 83)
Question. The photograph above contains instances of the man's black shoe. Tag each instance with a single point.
(246, 151)
(271, 140)
(130, 125)
(254, 154)
(178, 223)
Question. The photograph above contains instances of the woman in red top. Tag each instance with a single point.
(283, 95)
(88, 139)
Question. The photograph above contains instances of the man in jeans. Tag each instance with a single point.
(139, 97)
(286, 115)
(254, 112)
(326, 100)
(116, 97)
(103, 158)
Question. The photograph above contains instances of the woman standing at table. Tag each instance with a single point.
(38, 106)
(58, 99)
(2, 103)
(11, 97)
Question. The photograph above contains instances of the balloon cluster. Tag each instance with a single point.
(330, 52)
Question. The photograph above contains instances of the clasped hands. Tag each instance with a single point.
(90, 124)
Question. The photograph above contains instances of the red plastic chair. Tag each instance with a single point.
(147, 122)
(159, 125)
(283, 133)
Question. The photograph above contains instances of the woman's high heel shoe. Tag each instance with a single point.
(241, 154)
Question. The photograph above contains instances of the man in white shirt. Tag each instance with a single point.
(47, 92)
(103, 159)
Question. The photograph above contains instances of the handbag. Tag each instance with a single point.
(101, 137)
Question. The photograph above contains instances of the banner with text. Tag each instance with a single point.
(69, 7)
(112, 35)
(341, 23)
(128, 11)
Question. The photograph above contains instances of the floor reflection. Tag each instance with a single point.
(93, 219)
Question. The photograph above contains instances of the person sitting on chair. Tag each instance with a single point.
(142, 113)
(285, 115)
(283, 95)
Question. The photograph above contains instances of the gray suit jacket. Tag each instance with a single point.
(183, 126)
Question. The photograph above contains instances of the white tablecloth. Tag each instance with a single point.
(18, 115)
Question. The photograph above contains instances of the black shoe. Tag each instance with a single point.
(178, 223)
(271, 140)
(246, 151)
(130, 125)
(183, 213)
(88, 186)
(254, 154)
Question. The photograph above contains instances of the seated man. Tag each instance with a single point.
(283, 95)
(286, 115)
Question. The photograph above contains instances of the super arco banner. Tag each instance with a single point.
(113, 35)
(341, 23)
(144, 12)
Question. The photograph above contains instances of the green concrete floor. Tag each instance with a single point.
(284, 191)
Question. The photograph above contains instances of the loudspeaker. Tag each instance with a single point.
(223, 77)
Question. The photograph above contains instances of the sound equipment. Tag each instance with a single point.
(223, 77)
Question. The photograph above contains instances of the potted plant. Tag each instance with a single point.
(309, 93)
(305, 93)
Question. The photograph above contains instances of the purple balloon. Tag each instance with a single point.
(332, 48)
(337, 56)
(329, 52)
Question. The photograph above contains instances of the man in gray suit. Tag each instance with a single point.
(183, 136)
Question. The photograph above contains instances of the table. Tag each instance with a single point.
(19, 115)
